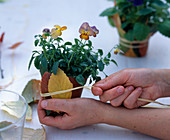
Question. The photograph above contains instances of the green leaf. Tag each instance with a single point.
(109, 55)
(80, 79)
(109, 12)
(84, 64)
(164, 28)
(36, 51)
(98, 78)
(36, 42)
(32, 58)
(3, 0)
(112, 60)
(124, 25)
(55, 67)
(68, 43)
(89, 43)
(159, 4)
(43, 66)
(100, 51)
(90, 80)
(44, 62)
(140, 31)
(76, 41)
(59, 39)
(106, 61)
(100, 65)
(145, 11)
(111, 22)
(37, 62)
(129, 35)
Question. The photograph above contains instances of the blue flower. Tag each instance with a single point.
(136, 2)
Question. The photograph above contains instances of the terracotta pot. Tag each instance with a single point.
(76, 93)
(134, 48)
(44, 89)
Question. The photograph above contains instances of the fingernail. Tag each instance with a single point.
(98, 91)
(44, 104)
(130, 88)
(120, 90)
(139, 89)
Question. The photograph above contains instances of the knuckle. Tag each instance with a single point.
(125, 70)
(73, 107)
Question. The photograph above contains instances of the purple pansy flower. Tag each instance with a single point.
(136, 2)
(95, 31)
(85, 31)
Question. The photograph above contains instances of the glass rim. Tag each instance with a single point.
(18, 119)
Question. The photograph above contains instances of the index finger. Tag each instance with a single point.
(118, 78)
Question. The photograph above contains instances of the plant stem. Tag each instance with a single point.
(86, 70)
(105, 74)
(68, 66)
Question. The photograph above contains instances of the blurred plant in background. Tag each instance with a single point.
(137, 20)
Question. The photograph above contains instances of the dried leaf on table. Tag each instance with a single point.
(29, 114)
(32, 91)
(15, 45)
(2, 37)
(60, 82)
(4, 124)
(15, 108)
(32, 134)
(44, 82)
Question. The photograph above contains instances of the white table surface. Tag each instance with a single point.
(22, 19)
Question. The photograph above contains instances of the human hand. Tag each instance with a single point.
(79, 112)
(127, 85)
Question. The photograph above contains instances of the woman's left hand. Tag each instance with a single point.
(79, 112)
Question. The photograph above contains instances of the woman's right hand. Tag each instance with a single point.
(126, 86)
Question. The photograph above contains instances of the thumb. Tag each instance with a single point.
(56, 104)
(118, 78)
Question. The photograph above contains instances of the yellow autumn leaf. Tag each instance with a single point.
(60, 82)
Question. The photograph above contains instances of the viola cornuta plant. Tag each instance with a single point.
(77, 59)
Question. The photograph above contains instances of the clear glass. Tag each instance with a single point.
(13, 131)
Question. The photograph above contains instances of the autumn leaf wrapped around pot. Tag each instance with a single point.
(66, 65)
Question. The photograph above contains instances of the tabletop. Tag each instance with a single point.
(22, 19)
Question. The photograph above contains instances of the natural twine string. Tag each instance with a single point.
(129, 44)
(88, 87)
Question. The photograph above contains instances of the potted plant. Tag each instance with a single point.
(65, 65)
(136, 21)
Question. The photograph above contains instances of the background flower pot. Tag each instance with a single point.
(134, 48)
